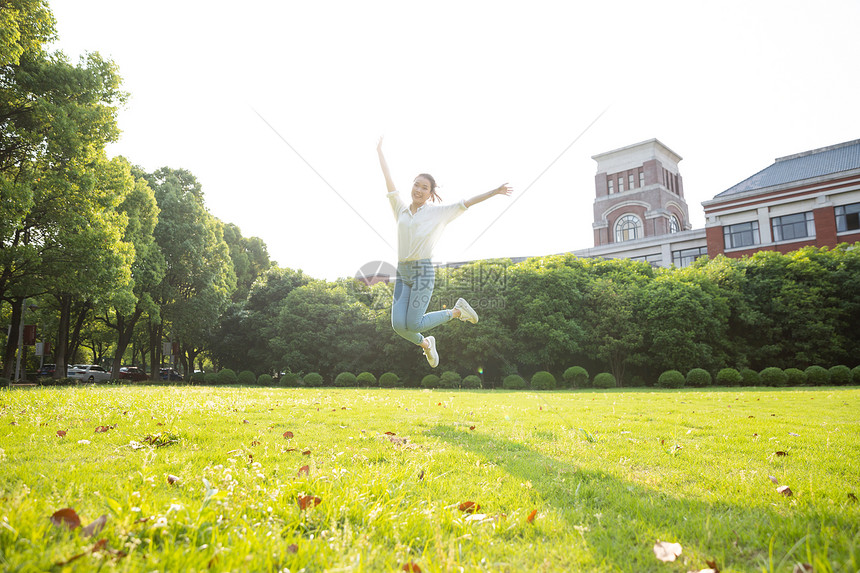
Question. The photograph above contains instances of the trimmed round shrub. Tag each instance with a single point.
(795, 376)
(471, 381)
(265, 380)
(210, 378)
(698, 378)
(773, 376)
(450, 379)
(514, 382)
(246, 378)
(345, 380)
(604, 380)
(840, 375)
(855, 375)
(817, 376)
(576, 377)
(365, 379)
(198, 378)
(543, 380)
(671, 379)
(313, 380)
(729, 377)
(389, 380)
(289, 380)
(750, 377)
(227, 376)
(430, 381)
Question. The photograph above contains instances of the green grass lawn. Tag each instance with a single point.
(566, 481)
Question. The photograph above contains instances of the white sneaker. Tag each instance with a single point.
(467, 313)
(430, 353)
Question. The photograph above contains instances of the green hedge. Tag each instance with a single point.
(514, 382)
(226, 376)
(265, 380)
(729, 377)
(430, 381)
(773, 376)
(698, 378)
(345, 380)
(796, 376)
(313, 380)
(855, 375)
(543, 380)
(389, 380)
(817, 376)
(576, 377)
(366, 379)
(449, 379)
(246, 378)
(671, 379)
(471, 381)
(750, 377)
(605, 380)
(840, 375)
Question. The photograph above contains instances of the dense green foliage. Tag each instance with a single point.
(543, 380)
(345, 379)
(313, 380)
(430, 381)
(698, 378)
(605, 380)
(729, 377)
(773, 376)
(671, 379)
(366, 379)
(514, 382)
(472, 381)
(576, 377)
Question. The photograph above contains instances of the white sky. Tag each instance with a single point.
(475, 93)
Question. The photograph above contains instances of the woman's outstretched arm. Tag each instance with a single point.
(389, 182)
(501, 190)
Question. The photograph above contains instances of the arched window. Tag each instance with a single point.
(674, 224)
(628, 228)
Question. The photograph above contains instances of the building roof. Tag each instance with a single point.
(801, 166)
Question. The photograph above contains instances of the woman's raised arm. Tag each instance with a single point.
(500, 190)
(389, 182)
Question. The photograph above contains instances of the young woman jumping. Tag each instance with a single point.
(419, 226)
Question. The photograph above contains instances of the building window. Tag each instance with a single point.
(641, 179)
(848, 217)
(630, 181)
(685, 257)
(674, 224)
(790, 227)
(628, 228)
(621, 185)
(741, 235)
(611, 186)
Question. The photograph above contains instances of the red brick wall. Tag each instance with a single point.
(716, 243)
(825, 226)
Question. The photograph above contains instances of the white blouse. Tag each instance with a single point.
(417, 234)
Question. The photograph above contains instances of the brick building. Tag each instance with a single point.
(811, 198)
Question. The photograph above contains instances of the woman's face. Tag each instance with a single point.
(420, 190)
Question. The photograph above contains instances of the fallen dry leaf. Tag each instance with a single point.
(293, 548)
(288, 435)
(61, 433)
(774, 480)
(802, 568)
(779, 454)
(306, 453)
(531, 517)
(306, 501)
(95, 527)
(172, 479)
(66, 517)
(304, 470)
(852, 497)
(411, 567)
(784, 490)
(469, 507)
(666, 551)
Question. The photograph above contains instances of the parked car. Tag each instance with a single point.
(132, 373)
(89, 372)
(170, 374)
(47, 370)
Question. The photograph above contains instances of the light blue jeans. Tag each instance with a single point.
(412, 293)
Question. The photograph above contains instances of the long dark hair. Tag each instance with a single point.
(433, 195)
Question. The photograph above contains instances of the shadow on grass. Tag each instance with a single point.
(620, 521)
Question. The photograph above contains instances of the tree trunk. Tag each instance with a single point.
(65, 302)
(125, 330)
(12, 341)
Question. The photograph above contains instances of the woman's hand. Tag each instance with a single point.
(503, 190)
